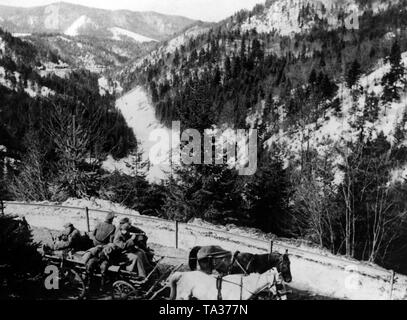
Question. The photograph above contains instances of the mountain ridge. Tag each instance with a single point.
(60, 16)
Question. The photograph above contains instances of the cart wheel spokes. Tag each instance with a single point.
(123, 290)
(72, 284)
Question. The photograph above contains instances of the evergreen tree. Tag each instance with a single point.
(312, 77)
(268, 197)
(31, 183)
(353, 74)
(20, 261)
(394, 80)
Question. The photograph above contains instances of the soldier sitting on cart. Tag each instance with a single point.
(69, 240)
(136, 258)
(100, 258)
(140, 240)
(104, 231)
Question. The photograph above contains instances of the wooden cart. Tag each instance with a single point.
(124, 285)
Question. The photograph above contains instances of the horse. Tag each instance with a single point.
(212, 258)
(201, 286)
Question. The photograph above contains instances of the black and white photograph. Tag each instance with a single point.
(203, 150)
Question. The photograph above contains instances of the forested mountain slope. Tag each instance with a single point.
(52, 118)
(325, 86)
(94, 54)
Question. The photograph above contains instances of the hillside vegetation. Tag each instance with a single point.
(324, 85)
(329, 103)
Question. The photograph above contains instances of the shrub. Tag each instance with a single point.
(20, 262)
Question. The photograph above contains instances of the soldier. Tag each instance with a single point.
(69, 240)
(104, 231)
(99, 258)
(140, 239)
(136, 257)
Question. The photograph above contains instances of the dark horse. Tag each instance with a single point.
(212, 258)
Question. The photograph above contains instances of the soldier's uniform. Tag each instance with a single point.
(99, 258)
(137, 259)
(104, 231)
(70, 239)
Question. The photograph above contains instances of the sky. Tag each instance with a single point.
(207, 10)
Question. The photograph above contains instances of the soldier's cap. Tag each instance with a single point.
(124, 220)
(125, 226)
(110, 216)
(68, 225)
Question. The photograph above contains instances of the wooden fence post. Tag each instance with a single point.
(271, 246)
(87, 218)
(176, 234)
(392, 274)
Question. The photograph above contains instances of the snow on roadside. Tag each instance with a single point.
(54, 218)
(322, 274)
(40, 216)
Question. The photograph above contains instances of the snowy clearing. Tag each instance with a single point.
(140, 116)
(73, 29)
(118, 33)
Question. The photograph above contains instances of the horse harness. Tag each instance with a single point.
(211, 257)
(235, 260)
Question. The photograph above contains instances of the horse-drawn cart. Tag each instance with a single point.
(123, 285)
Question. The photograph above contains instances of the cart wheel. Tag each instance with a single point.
(72, 285)
(123, 290)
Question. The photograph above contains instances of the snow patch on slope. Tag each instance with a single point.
(183, 38)
(2, 46)
(285, 17)
(73, 29)
(110, 87)
(3, 81)
(334, 130)
(171, 46)
(118, 33)
(21, 35)
(140, 116)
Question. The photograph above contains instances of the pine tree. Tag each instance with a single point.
(312, 77)
(353, 74)
(76, 176)
(31, 183)
(394, 80)
(268, 196)
(228, 68)
(177, 58)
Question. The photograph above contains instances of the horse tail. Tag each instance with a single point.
(193, 258)
(172, 283)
